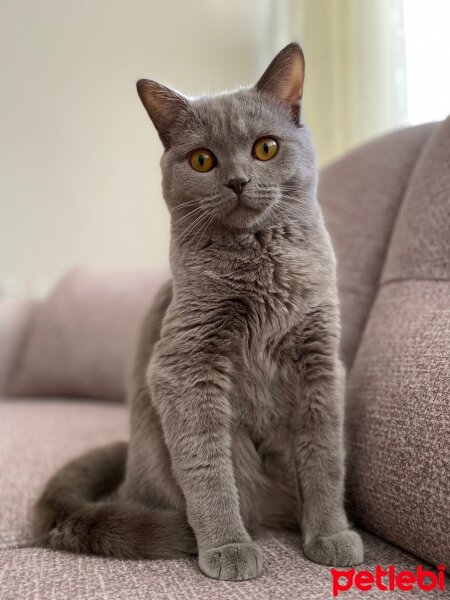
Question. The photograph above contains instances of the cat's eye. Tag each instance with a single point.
(265, 148)
(202, 160)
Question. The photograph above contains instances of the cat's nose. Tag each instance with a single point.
(236, 184)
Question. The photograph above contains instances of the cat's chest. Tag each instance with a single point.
(261, 403)
(276, 295)
(275, 303)
(270, 278)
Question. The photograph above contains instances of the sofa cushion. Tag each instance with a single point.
(360, 195)
(37, 573)
(38, 436)
(399, 387)
(15, 319)
(83, 336)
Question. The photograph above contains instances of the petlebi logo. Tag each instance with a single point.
(388, 580)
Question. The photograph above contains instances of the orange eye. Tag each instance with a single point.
(202, 160)
(265, 148)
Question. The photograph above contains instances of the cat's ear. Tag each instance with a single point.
(163, 105)
(284, 78)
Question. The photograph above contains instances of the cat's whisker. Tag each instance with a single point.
(290, 197)
(290, 202)
(287, 212)
(185, 204)
(291, 208)
(201, 204)
(195, 232)
(204, 229)
(190, 228)
(192, 212)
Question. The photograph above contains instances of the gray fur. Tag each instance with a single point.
(237, 395)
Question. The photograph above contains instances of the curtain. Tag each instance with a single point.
(355, 86)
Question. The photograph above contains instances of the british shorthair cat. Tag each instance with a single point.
(238, 391)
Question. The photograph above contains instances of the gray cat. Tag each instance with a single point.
(237, 394)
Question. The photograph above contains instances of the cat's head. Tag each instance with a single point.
(240, 159)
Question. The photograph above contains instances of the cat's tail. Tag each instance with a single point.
(67, 516)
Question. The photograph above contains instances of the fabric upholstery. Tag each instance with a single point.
(360, 195)
(398, 411)
(83, 336)
(30, 574)
(399, 387)
(420, 246)
(15, 319)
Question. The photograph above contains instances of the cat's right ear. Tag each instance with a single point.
(163, 105)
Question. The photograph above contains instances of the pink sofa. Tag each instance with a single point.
(63, 370)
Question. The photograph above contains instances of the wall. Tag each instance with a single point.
(79, 159)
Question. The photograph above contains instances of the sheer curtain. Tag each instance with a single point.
(355, 84)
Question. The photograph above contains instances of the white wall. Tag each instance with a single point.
(79, 159)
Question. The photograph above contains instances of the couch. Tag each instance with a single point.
(63, 373)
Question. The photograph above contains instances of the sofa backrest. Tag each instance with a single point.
(394, 278)
(361, 195)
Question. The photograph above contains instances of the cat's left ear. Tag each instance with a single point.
(284, 78)
(164, 106)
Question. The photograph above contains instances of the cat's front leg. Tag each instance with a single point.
(318, 443)
(190, 390)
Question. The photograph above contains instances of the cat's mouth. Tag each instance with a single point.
(246, 204)
(244, 211)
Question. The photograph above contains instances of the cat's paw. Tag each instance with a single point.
(343, 549)
(59, 538)
(233, 562)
